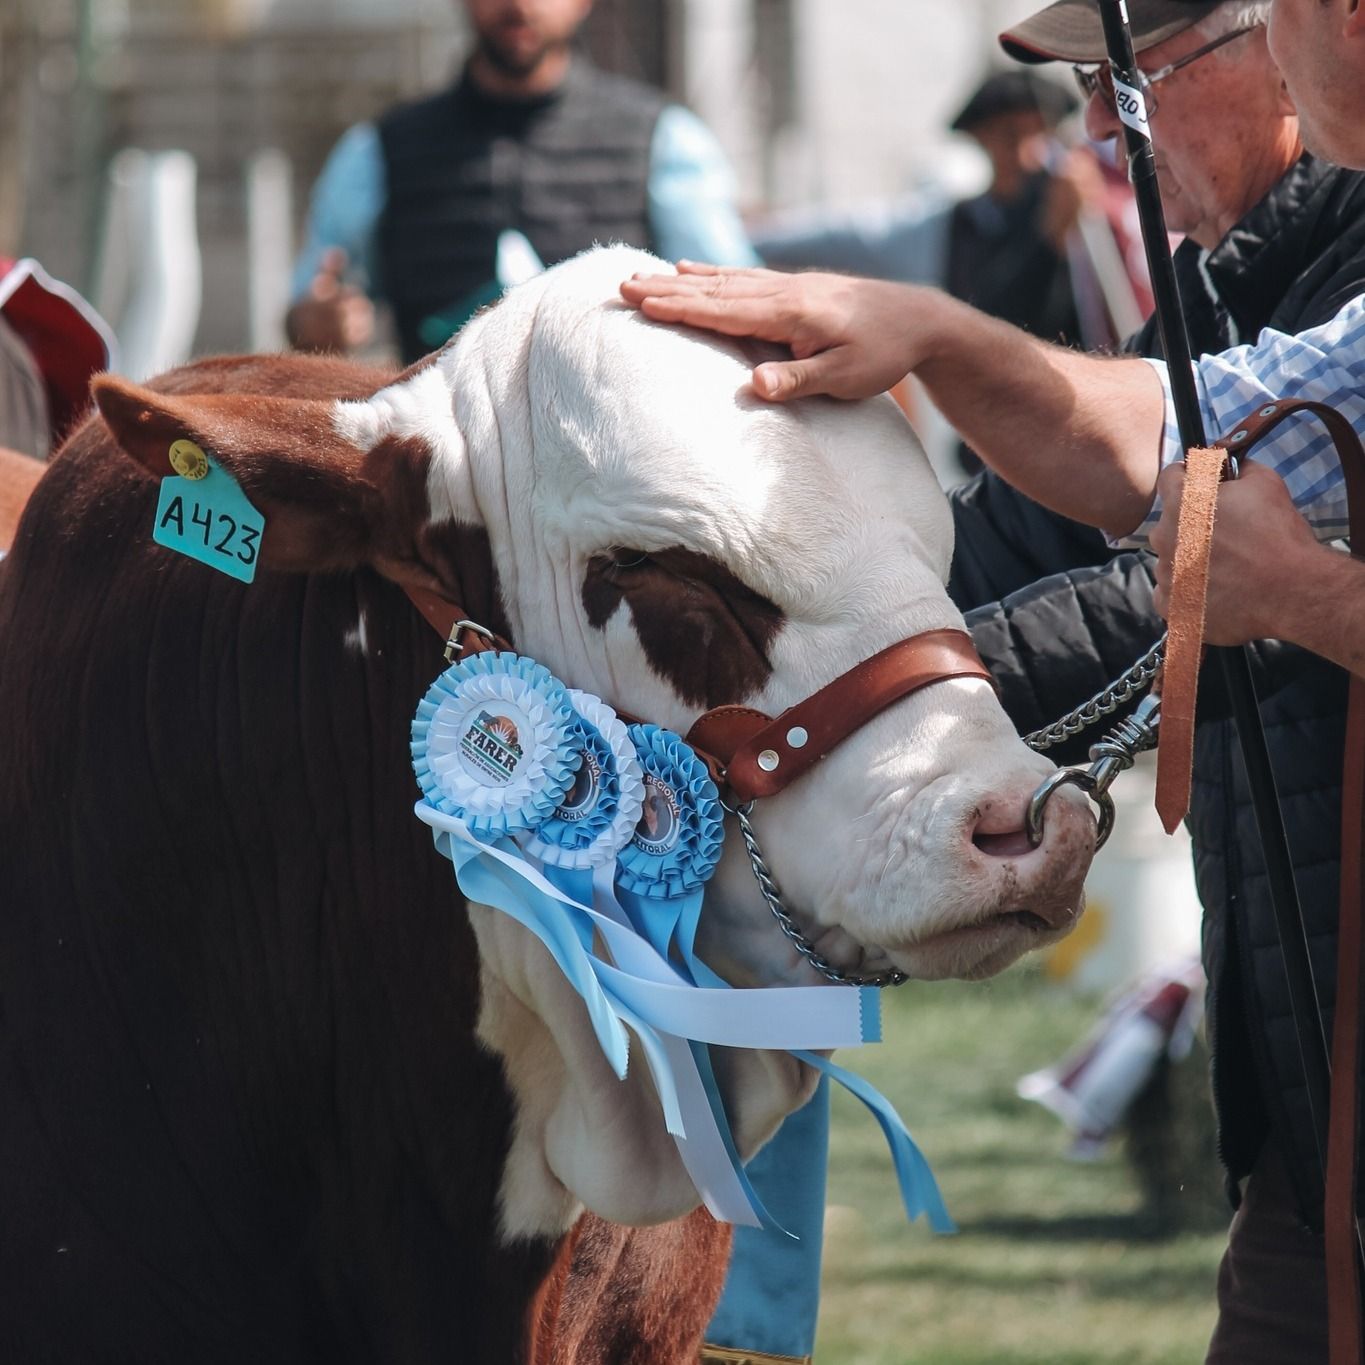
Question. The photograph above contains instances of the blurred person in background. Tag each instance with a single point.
(530, 138)
(1015, 251)
(1006, 250)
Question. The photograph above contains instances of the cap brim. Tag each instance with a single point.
(1071, 30)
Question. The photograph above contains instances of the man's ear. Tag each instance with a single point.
(327, 503)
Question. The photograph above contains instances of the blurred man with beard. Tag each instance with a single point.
(532, 148)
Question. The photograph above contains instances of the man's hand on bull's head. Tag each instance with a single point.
(850, 338)
(610, 496)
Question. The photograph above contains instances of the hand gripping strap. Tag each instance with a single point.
(762, 756)
(1343, 1125)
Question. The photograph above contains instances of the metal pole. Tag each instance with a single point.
(1234, 663)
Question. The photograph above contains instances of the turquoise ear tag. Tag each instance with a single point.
(203, 513)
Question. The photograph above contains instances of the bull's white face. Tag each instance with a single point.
(668, 542)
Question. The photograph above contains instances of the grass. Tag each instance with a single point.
(1055, 1262)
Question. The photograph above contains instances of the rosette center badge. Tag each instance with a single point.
(581, 798)
(660, 819)
(491, 748)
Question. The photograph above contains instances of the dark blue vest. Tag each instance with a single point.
(568, 169)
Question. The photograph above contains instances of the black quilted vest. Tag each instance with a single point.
(1290, 264)
(567, 169)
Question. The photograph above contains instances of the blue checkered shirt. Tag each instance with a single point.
(1326, 364)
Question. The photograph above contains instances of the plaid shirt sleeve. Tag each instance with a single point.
(1326, 364)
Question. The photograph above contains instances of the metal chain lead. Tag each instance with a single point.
(1103, 704)
(773, 895)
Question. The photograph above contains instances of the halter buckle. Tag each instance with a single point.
(453, 645)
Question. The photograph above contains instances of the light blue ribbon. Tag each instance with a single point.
(771, 1301)
(576, 885)
(920, 1193)
(489, 882)
(712, 1012)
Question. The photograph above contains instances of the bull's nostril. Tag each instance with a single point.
(1013, 843)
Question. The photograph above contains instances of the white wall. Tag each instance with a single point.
(876, 81)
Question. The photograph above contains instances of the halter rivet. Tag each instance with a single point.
(768, 760)
(1269, 411)
(1238, 437)
(797, 738)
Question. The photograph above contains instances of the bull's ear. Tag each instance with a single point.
(327, 503)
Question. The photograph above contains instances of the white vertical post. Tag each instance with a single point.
(269, 253)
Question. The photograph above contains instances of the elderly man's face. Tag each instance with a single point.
(1224, 130)
(1320, 47)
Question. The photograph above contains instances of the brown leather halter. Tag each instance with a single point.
(750, 754)
(756, 755)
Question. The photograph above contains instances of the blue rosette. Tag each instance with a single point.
(509, 761)
(677, 843)
(493, 743)
(598, 814)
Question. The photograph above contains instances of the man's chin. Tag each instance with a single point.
(1347, 150)
(514, 60)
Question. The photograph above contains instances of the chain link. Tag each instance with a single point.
(1103, 704)
(773, 895)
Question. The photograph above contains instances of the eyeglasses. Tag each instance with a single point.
(1100, 79)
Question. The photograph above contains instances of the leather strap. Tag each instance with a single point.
(762, 756)
(747, 751)
(447, 618)
(1204, 469)
(1340, 1226)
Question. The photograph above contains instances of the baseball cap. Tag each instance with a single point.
(1071, 30)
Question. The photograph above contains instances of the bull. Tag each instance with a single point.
(272, 1090)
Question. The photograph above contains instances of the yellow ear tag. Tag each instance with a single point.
(188, 460)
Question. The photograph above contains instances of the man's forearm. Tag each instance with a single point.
(1081, 434)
